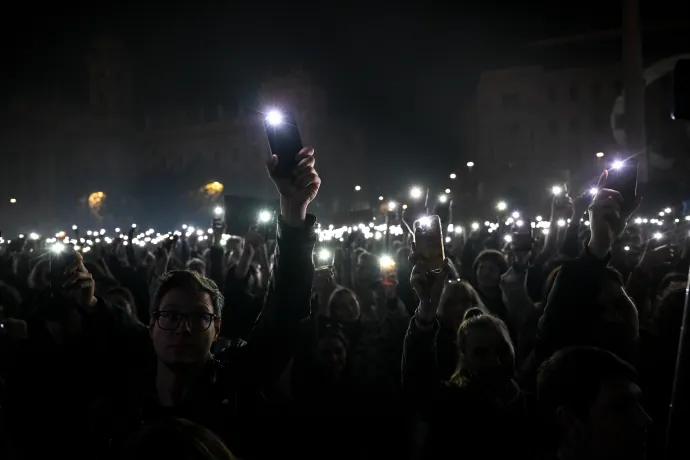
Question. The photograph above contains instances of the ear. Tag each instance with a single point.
(216, 333)
(570, 424)
(152, 323)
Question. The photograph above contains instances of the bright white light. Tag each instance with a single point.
(470, 164)
(447, 190)
(274, 117)
(617, 164)
(425, 221)
(134, 225)
(561, 223)
(324, 255)
(13, 200)
(218, 210)
(265, 216)
(117, 230)
(508, 238)
(380, 198)
(516, 215)
(519, 223)
(638, 220)
(386, 262)
(415, 193)
(658, 236)
(667, 210)
(475, 225)
(392, 205)
(626, 248)
(501, 206)
(593, 191)
(33, 236)
(57, 248)
(458, 230)
(600, 154)
(453, 175)
(539, 218)
(358, 188)
(442, 198)
(74, 227)
(556, 190)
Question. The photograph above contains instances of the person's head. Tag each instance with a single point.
(185, 320)
(122, 298)
(402, 259)
(457, 297)
(197, 265)
(368, 269)
(343, 306)
(39, 276)
(668, 315)
(485, 352)
(174, 438)
(331, 352)
(590, 398)
(488, 268)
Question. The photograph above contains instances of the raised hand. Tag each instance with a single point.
(298, 191)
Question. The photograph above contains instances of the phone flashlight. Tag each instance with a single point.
(386, 262)
(218, 210)
(617, 164)
(264, 216)
(324, 255)
(556, 190)
(57, 248)
(274, 117)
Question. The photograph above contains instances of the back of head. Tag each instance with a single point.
(572, 377)
(175, 439)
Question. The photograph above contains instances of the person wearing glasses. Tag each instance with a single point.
(226, 392)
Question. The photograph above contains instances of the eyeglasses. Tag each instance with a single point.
(169, 320)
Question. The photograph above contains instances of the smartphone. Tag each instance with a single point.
(522, 237)
(284, 140)
(170, 243)
(428, 238)
(389, 272)
(680, 109)
(623, 179)
(59, 261)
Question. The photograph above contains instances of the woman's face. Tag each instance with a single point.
(344, 307)
(331, 356)
(488, 274)
(488, 355)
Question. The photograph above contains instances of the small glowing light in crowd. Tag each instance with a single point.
(424, 221)
(357, 188)
(561, 223)
(265, 216)
(501, 206)
(600, 154)
(638, 220)
(617, 164)
(89, 232)
(74, 227)
(415, 193)
(102, 232)
(667, 210)
(447, 190)
(381, 198)
(662, 213)
(539, 218)
(274, 117)
(134, 225)
(184, 227)
(593, 191)
(386, 262)
(658, 236)
(545, 231)
(117, 230)
(458, 230)
(218, 210)
(33, 236)
(13, 200)
(404, 206)
(519, 223)
(442, 198)
(687, 217)
(324, 255)
(470, 164)
(516, 215)
(475, 225)
(57, 248)
(392, 205)
(508, 238)
(453, 175)
(556, 190)
(626, 248)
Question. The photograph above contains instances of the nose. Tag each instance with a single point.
(184, 327)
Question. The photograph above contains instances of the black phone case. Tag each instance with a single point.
(624, 180)
(285, 142)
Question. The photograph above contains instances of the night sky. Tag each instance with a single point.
(389, 67)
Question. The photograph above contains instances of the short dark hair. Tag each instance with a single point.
(573, 376)
(191, 280)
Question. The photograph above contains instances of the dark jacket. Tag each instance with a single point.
(229, 396)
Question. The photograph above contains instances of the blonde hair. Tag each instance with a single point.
(455, 288)
(474, 318)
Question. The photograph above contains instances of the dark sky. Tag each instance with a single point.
(405, 66)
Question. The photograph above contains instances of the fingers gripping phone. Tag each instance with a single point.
(62, 256)
(622, 177)
(284, 140)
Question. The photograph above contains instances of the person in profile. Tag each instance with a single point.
(174, 439)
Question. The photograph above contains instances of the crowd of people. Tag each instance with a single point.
(557, 345)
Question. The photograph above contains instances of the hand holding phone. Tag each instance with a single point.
(622, 177)
(284, 140)
(428, 238)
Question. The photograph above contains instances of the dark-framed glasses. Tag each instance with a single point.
(169, 320)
